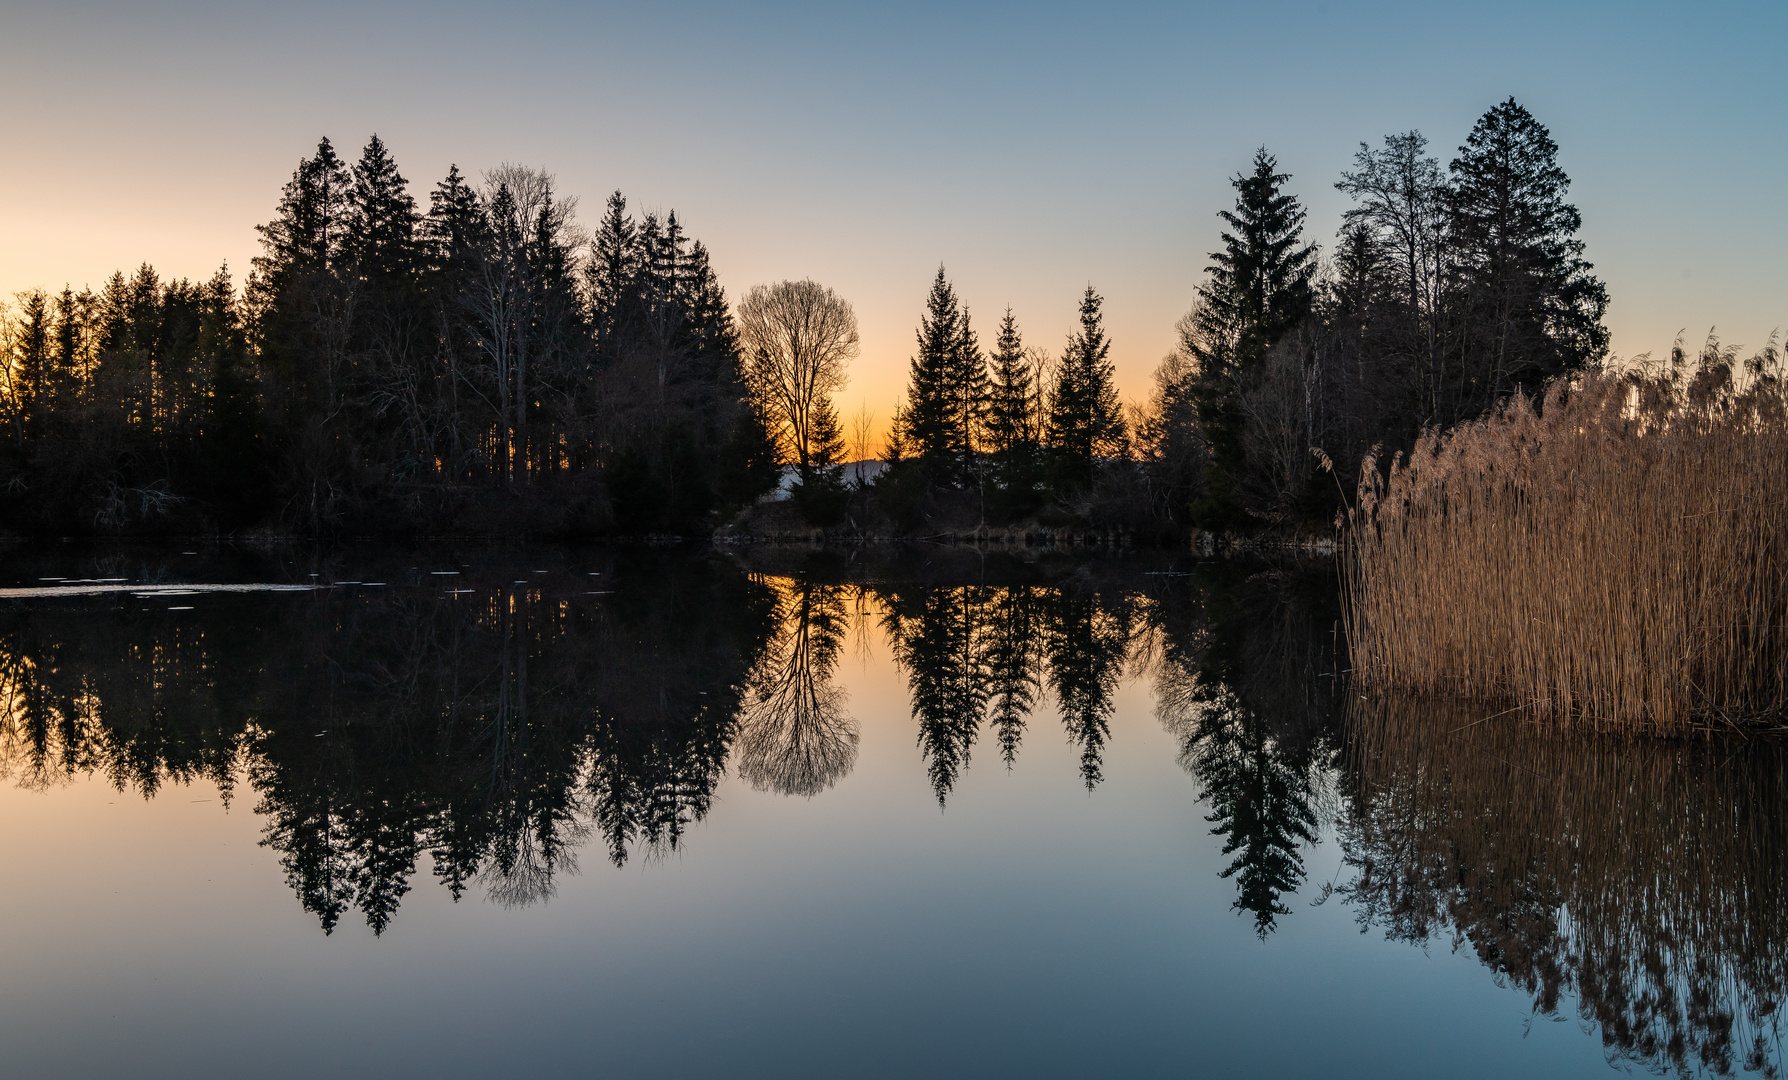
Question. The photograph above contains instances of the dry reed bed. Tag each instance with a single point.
(1611, 555)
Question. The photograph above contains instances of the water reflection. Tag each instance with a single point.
(1248, 691)
(1642, 878)
(795, 737)
(979, 654)
(494, 728)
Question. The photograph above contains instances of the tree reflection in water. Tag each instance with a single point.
(493, 730)
(795, 737)
(985, 654)
(497, 732)
(1241, 685)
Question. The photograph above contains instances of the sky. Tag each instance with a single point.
(1030, 149)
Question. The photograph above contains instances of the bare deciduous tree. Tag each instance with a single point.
(797, 336)
(862, 431)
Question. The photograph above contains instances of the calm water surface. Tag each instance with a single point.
(582, 811)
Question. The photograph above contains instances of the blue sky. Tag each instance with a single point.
(1032, 149)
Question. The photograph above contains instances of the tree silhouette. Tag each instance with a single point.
(1085, 646)
(939, 636)
(795, 737)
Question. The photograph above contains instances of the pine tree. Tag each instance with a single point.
(1010, 432)
(380, 241)
(1258, 288)
(1085, 419)
(819, 490)
(938, 425)
(455, 223)
(299, 325)
(711, 337)
(969, 391)
(66, 360)
(310, 226)
(610, 275)
(34, 348)
(1534, 309)
(232, 434)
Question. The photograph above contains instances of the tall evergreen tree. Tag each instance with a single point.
(381, 242)
(232, 436)
(455, 224)
(34, 349)
(946, 391)
(65, 361)
(610, 274)
(968, 389)
(1011, 404)
(1258, 288)
(301, 323)
(1534, 309)
(1085, 419)
(309, 228)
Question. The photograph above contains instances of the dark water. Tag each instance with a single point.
(683, 813)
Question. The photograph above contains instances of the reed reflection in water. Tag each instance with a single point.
(1644, 878)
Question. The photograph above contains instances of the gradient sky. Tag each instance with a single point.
(1032, 149)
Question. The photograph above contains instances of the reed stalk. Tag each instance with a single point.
(1611, 553)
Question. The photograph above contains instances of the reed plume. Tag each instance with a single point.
(1611, 553)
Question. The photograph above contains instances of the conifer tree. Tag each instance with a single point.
(969, 391)
(380, 240)
(1085, 419)
(1258, 288)
(610, 274)
(33, 347)
(1010, 432)
(939, 425)
(299, 324)
(309, 228)
(712, 338)
(455, 224)
(925, 420)
(1534, 308)
(65, 361)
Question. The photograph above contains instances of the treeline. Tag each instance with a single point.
(1448, 291)
(487, 365)
(481, 363)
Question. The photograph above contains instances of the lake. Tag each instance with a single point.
(472, 810)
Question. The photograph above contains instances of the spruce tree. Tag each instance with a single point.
(819, 491)
(711, 337)
(610, 274)
(455, 223)
(968, 388)
(939, 425)
(65, 361)
(294, 293)
(926, 421)
(1085, 418)
(33, 351)
(1010, 434)
(1534, 310)
(309, 228)
(1258, 287)
(380, 242)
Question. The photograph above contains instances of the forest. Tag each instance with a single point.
(487, 365)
